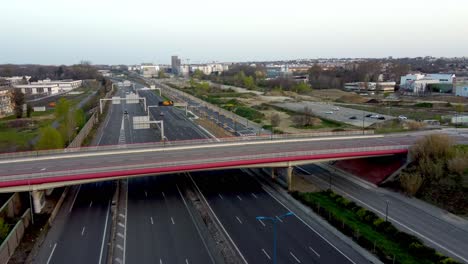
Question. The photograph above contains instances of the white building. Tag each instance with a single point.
(42, 88)
(64, 85)
(149, 70)
(16, 79)
(418, 83)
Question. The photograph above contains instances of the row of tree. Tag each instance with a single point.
(81, 71)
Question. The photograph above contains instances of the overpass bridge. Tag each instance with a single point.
(49, 169)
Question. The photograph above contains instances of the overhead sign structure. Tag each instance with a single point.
(141, 122)
(116, 100)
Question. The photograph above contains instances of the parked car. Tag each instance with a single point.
(368, 115)
(329, 112)
(336, 109)
(353, 117)
(402, 117)
(381, 118)
(375, 116)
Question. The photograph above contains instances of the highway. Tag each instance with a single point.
(160, 228)
(237, 199)
(437, 228)
(81, 230)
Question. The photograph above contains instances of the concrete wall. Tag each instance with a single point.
(83, 132)
(12, 207)
(11, 242)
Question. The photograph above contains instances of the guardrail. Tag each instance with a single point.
(211, 160)
(26, 154)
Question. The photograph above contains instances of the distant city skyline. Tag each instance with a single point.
(131, 32)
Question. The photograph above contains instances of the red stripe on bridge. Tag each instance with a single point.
(192, 167)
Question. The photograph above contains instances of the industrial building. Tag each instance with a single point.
(149, 70)
(461, 87)
(64, 85)
(43, 88)
(421, 84)
(379, 87)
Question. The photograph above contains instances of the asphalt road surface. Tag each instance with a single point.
(441, 230)
(237, 199)
(13, 170)
(81, 230)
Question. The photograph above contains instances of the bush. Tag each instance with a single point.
(422, 251)
(406, 239)
(425, 105)
(378, 223)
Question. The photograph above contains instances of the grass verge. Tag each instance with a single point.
(371, 232)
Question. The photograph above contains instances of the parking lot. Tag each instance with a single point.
(332, 112)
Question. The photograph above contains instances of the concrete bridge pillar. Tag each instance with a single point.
(290, 177)
(38, 198)
(287, 173)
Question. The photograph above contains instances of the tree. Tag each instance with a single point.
(302, 88)
(198, 74)
(4, 229)
(275, 120)
(18, 99)
(49, 138)
(79, 118)
(161, 74)
(249, 82)
(411, 182)
(62, 108)
(29, 110)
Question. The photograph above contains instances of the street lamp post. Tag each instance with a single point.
(275, 220)
(386, 211)
(363, 116)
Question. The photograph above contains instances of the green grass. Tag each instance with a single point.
(342, 215)
(249, 113)
(326, 123)
(45, 113)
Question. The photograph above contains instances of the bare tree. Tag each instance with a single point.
(275, 120)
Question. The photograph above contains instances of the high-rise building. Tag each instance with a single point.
(175, 65)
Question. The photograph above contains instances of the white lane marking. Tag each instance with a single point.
(315, 231)
(238, 220)
(82, 230)
(43, 169)
(151, 219)
(51, 253)
(120, 235)
(217, 219)
(91, 204)
(122, 215)
(119, 247)
(260, 220)
(201, 146)
(163, 195)
(279, 219)
(394, 220)
(146, 194)
(160, 261)
(220, 196)
(266, 254)
(125, 230)
(196, 226)
(238, 197)
(172, 220)
(122, 225)
(298, 261)
(404, 226)
(118, 260)
(74, 199)
(104, 233)
(315, 252)
(255, 196)
(186, 261)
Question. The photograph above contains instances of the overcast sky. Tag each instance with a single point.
(135, 31)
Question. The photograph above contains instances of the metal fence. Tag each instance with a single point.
(26, 154)
(211, 160)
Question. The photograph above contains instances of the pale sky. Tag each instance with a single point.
(135, 31)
